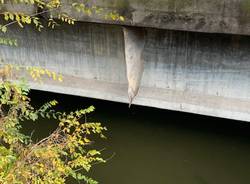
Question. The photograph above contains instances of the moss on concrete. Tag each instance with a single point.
(179, 5)
(245, 7)
(169, 5)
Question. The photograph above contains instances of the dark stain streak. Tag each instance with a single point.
(201, 23)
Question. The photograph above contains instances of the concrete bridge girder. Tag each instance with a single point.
(191, 72)
(212, 16)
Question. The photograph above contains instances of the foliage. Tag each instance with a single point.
(53, 11)
(36, 73)
(65, 153)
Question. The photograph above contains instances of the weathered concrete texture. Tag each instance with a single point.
(134, 41)
(214, 16)
(20, 8)
(192, 72)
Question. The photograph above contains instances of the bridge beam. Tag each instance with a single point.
(190, 72)
(211, 16)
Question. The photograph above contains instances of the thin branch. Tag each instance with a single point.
(33, 15)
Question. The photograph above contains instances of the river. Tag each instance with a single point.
(153, 146)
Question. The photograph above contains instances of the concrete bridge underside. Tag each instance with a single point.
(192, 72)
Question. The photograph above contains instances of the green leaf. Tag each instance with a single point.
(4, 29)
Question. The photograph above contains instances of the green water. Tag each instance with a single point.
(153, 146)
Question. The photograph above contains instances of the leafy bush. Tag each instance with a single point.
(63, 154)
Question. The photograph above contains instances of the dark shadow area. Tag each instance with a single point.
(160, 146)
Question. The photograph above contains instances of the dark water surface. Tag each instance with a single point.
(155, 146)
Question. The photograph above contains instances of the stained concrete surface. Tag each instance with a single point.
(193, 72)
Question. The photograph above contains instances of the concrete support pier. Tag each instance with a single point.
(134, 43)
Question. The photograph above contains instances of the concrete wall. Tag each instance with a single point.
(192, 72)
(214, 16)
